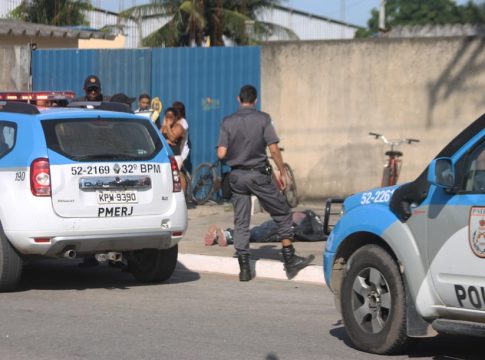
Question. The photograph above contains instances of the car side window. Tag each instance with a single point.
(474, 180)
(7, 138)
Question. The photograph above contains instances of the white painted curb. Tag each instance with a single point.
(262, 268)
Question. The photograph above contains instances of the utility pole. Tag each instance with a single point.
(382, 16)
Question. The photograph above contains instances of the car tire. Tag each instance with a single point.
(10, 264)
(153, 265)
(373, 302)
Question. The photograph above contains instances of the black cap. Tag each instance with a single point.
(92, 81)
(122, 98)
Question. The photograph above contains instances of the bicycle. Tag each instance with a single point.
(209, 179)
(290, 192)
(393, 165)
(186, 181)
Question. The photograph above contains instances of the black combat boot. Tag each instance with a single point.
(245, 267)
(294, 263)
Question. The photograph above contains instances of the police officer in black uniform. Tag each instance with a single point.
(92, 90)
(243, 139)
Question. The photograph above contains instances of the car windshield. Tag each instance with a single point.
(102, 139)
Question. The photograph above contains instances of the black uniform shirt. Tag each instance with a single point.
(246, 134)
(101, 97)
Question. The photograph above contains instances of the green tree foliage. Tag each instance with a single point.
(419, 12)
(191, 22)
(52, 12)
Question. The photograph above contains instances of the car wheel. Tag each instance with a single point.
(373, 302)
(152, 265)
(10, 264)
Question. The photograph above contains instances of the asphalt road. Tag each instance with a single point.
(63, 312)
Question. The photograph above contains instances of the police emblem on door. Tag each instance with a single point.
(476, 231)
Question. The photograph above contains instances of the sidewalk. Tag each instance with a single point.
(266, 257)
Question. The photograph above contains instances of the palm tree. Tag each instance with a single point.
(190, 22)
(52, 12)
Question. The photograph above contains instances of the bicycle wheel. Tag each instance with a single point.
(203, 183)
(187, 181)
(290, 192)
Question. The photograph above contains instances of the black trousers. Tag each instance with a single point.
(245, 183)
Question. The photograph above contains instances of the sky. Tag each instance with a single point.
(355, 12)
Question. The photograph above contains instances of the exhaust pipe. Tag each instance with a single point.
(70, 254)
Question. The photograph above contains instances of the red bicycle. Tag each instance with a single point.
(392, 167)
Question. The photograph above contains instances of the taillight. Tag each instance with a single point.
(40, 177)
(177, 185)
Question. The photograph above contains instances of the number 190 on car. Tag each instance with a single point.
(116, 197)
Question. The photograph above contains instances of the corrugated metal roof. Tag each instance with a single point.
(8, 5)
(436, 30)
(313, 16)
(19, 28)
(306, 26)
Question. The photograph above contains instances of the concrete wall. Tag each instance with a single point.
(325, 97)
(117, 43)
(14, 68)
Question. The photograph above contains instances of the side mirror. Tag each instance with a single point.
(441, 173)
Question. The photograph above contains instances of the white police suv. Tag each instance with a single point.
(409, 261)
(82, 183)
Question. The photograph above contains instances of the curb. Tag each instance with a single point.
(262, 268)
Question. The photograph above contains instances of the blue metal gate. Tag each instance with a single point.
(126, 71)
(206, 80)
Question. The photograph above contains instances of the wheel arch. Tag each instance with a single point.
(349, 246)
(416, 326)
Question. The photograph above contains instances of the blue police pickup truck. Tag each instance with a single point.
(409, 260)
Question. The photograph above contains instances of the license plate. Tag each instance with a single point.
(116, 197)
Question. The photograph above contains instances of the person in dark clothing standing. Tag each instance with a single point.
(92, 89)
(243, 139)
